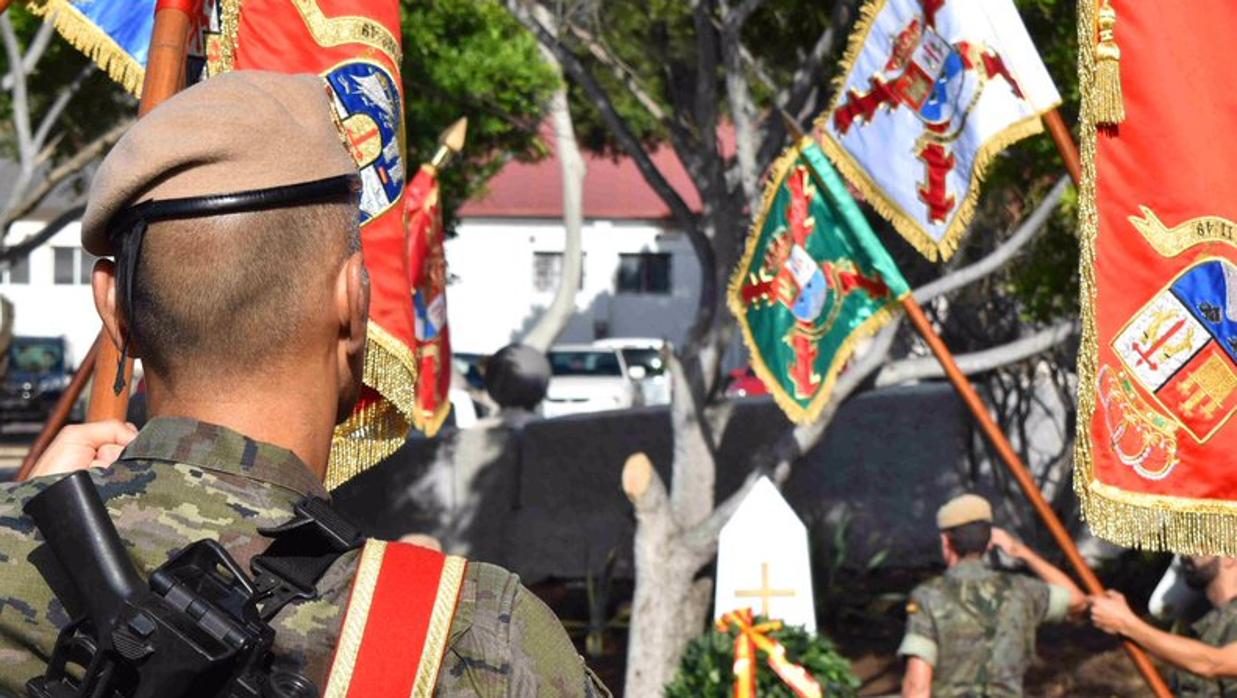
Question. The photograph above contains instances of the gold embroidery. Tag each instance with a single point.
(229, 29)
(1207, 388)
(439, 629)
(1140, 436)
(1170, 242)
(353, 630)
(334, 31)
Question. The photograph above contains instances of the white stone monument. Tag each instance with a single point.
(762, 561)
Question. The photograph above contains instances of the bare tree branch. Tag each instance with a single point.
(736, 18)
(34, 52)
(13, 253)
(806, 79)
(742, 109)
(996, 259)
(62, 172)
(981, 361)
(555, 318)
(52, 115)
(623, 73)
(21, 100)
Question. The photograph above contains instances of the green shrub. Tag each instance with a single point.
(706, 669)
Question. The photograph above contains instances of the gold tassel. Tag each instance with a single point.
(1109, 103)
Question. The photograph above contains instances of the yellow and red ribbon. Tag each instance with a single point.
(755, 636)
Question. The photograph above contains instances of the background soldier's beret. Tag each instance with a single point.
(966, 509)
(240, 131)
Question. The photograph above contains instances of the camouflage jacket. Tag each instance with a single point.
(181, 481)
(976, 627)
(1217, 628)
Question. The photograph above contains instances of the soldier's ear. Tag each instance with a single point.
(352, 301)
(103, 284)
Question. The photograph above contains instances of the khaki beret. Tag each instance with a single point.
(966, 509)
(237, 132)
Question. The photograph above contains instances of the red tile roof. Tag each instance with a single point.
(613, 189)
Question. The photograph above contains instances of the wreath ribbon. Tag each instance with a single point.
(755, 636)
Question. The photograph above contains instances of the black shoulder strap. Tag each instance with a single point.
(301, 552)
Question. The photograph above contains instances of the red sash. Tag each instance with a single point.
(409, 593)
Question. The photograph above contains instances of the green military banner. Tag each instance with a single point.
(812, 282)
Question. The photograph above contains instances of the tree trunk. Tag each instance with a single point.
(669, 608)
(555, 318)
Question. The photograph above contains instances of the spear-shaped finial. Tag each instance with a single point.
(450, 142)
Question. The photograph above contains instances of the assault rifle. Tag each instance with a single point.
(194, 630)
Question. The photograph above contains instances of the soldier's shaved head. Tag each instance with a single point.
(227, 294)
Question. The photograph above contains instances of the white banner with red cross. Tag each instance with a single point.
(930, 91)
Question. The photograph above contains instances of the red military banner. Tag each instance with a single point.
(427, 268)
(1158, 363)
(355, 46)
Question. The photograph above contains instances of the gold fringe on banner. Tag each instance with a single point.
(367, 437)
(1109, 103)
(92, 41)
(372, 434)
(1131, 519)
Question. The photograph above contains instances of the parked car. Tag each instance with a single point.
(37, 376)
(645, 366)
(586, 378)
(743, 382)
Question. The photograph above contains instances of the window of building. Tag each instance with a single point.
(548, 271)
(71, 265)
(65, 265)
(17, 273)
(644, 272)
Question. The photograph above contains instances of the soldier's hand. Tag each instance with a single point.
(81, 446)
(1110, 612)
(1001, 539)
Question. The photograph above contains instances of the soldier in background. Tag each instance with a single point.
(971, 631)
(1205, 667)
(231, 210)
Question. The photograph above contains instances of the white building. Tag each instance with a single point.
(50, 289)
(640, 279)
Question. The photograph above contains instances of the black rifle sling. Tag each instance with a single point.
(301, 552)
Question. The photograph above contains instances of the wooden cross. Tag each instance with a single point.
(765, 592)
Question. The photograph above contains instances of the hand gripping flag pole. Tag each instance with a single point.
(1011, 460)
(165, 76)
(1023, 476)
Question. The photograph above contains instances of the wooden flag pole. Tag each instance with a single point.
(1023, 476)
(165, 76)
(1065, 144)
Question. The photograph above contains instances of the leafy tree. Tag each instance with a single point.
(471, 58)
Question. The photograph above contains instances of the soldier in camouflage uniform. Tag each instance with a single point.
(1206, 665)
(971, 631)
(185, 476)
